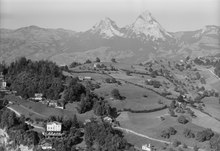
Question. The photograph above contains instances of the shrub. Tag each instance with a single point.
(113, 60)
(167, 132)
(88, 61)
(182, 119)
(188, 133)
(128, 73)
(204, 135)
(195, 148)
(171, 112)
(115, 93)
(215, 142)
(176, 143)
(74, 64)
(184, 145)
(97, 60)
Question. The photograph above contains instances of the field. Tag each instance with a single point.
(136, 98)
(38, 110)
(150, 124)
(212, 106)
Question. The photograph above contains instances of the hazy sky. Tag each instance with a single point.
(80, 15)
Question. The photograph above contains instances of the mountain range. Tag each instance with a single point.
(140, 41)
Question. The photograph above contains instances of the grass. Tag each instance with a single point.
(150, 124)
(212, 106)
(38, 110)
(206, 121)
(136, 98)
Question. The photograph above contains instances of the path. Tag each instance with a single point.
(145, 136)
(32, 111)
(213, 74)
(19, 114)
(141, 135)
(16, 112)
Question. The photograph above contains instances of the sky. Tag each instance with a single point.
(80, 15)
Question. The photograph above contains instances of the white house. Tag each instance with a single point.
(88, 78)
(87, 121)
(81, 78)
(148, 80)
(2, 84)
(108, 119)
(54, 127)
(146, 147)
(95, 65)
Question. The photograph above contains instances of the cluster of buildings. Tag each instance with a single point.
(53, 130)
(82, 78)
(2, 82)
(38, 97)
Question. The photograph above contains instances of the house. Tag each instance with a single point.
(108, 119)
(146, 147)
(53, 129)
(87, 121)
(81, 78)
(38, 96)
(95, 65)
(87, 78)
(148, 80)
(52, 103)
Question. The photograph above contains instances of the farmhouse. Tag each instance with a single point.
(87, 78)
(46, 145)
(81, 78)
(146, 147)
(108, 119)
(38, 96)
(87, 121)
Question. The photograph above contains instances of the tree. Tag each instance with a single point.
(168, 132)
(176, 143)
(188, 133)
(74, 64)
(128, 73)
(215, 142)
(74, 91)
(196, 148)
(88, 61)
(113, 60)
(97, 60)
(204, 135)
(171, 112)
(182, 119)
(115, 94)
(184, 145)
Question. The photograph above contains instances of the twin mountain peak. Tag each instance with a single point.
(145, 27)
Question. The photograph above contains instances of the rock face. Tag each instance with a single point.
(140, 41)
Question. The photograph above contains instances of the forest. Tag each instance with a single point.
(29, 77)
